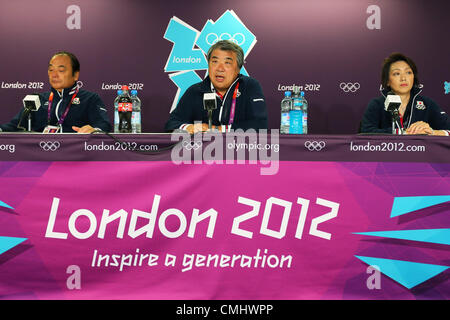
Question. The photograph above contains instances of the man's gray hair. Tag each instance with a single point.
(228, 45)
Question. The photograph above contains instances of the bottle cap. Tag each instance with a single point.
(124, 87)
(134, 92)
(119, 92)
(287, 93)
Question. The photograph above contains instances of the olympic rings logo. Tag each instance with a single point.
(315, 145)
(237, 38)
(49, 145)
(349, 87)
(192, 145)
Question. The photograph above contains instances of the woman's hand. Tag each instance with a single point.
(420, 127)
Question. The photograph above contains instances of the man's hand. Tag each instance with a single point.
(84, 129)
(197, 127)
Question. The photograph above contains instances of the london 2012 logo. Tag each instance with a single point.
(411, 273)
(447, 87)
(190, 46)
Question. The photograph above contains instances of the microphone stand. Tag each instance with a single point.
(29, 121)
(210, 119)
(209, 104)
(26, 112)
(396, 121)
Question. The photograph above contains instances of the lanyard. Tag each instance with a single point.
(50, 101)
(233, 104)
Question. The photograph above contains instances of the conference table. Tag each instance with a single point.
(253, 216)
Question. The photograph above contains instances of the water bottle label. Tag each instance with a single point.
(296, 125)
(285, 119)
(298, 103)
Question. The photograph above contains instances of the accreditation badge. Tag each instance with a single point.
(51, 129)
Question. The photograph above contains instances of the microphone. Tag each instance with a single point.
(392, 104)
(210, 104)
(31, 102)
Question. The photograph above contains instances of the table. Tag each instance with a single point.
(239, 216)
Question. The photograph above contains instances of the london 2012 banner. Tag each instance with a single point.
(159, 230)
(184, 60)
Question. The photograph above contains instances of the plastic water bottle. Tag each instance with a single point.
(296, 114)
(125, 108)
(305, 113)
(286, 106)
(116, 111)
(136, 116)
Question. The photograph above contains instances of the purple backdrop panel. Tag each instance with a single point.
(155, 230)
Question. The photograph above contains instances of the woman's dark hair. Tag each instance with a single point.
(394, 57)
(73, 59)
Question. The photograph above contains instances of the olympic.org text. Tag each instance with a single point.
(253, 146)
(11, 148)
(386, 147)
(235, 147)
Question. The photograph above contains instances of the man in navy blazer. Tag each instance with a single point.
(240, 99)
(66, 106)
